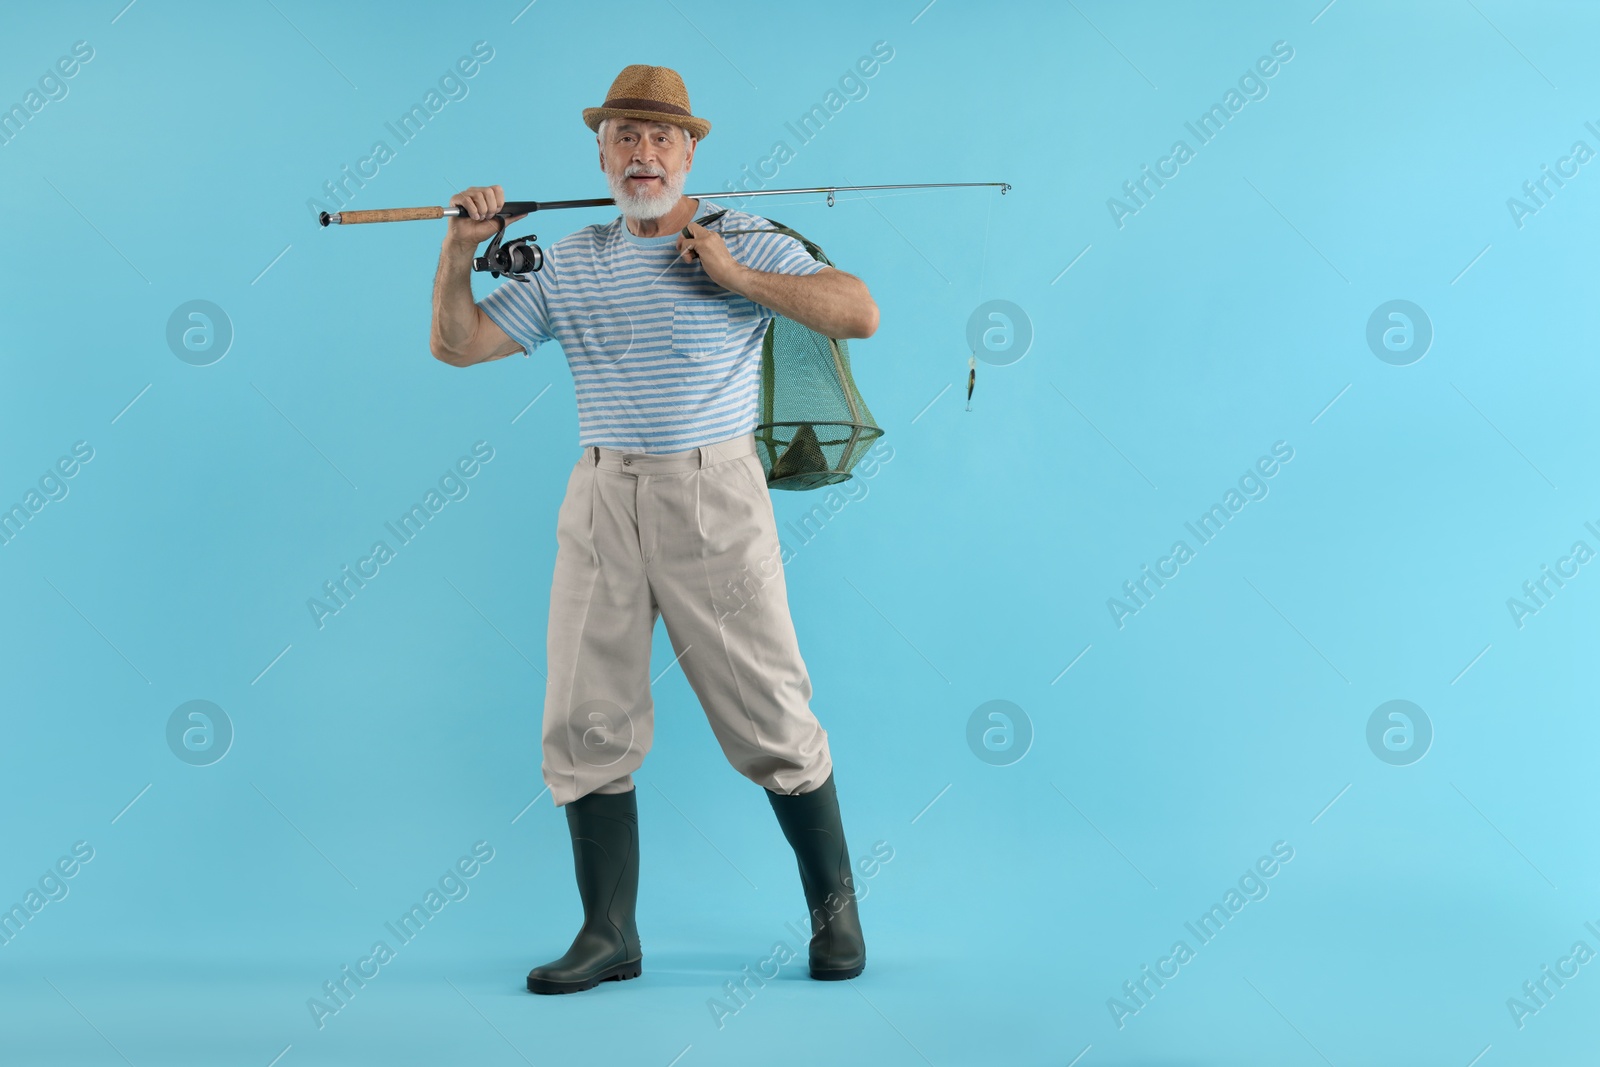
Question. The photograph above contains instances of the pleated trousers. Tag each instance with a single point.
(689, 537)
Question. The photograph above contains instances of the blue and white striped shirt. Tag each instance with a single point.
(662, 357)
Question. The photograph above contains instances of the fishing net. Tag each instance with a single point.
(814, 424)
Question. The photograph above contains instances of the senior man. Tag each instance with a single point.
(661, 322)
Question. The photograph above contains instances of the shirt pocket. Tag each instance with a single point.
(699, 328)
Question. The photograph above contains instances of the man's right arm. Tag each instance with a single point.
(462, 334)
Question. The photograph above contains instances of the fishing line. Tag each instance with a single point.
(983, 268)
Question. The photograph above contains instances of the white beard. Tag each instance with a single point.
(649, 206)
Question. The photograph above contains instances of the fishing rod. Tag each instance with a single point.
(527, 207)
(521, 256)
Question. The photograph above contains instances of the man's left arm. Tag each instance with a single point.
(831, 301)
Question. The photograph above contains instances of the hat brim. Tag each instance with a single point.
(698, 128)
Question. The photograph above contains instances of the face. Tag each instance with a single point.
(646, 164)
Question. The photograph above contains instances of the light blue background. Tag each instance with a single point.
(1229, 714)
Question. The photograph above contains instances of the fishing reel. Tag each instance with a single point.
(516, 259)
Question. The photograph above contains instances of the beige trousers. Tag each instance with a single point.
(688, 536)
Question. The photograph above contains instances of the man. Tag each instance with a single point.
(661, 322)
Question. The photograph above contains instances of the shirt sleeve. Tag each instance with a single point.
(522, 310)
(778, 253)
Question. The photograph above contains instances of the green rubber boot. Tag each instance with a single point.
(605, 857)
(811, 823)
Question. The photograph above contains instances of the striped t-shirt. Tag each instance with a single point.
(662, 357)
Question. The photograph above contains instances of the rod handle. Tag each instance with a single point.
(391, 214)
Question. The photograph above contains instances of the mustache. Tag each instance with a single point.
(635, 170)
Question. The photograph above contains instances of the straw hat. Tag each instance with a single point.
(654, 94)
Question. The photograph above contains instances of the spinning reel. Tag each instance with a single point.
(516, 259)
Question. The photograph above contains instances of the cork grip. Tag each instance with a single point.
(391, 214)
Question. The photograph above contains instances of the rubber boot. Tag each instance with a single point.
(605, 857)
(811, 823)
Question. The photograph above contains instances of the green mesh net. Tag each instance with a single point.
(814, 424)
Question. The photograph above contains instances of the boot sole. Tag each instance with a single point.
(838, 976)
(621, 972)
